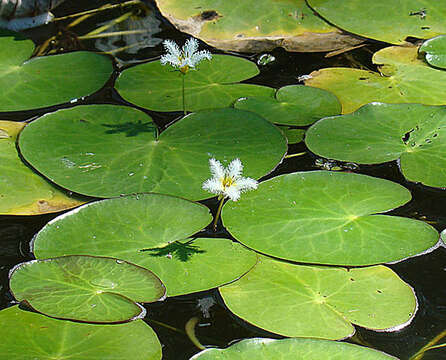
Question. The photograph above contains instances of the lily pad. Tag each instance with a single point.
(403, 78)
(293, 105)
(328, 217)
(435, 51)
(291, 349)
(240, 26)
(85, 288)
(45, 81)
(213, 85)
(320, 302)
(150, 231)
(58, 339)
(388, 21)
(293, 136)
(23, 192)
(413, 134)
(113, 150)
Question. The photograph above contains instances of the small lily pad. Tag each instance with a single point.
(212, 85)
(113, 150)
(293, 136)
(59, 339)
(85, 288)
(22, 191)
(320, 302)
(154, 235)
(403, 78)
(383, 20)
(45, 81)
(413, 134)
(293, 105)
(435, 51)
(326, 217)
(291, 349)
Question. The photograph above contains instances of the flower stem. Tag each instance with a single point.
(184, 101)
(217, 215)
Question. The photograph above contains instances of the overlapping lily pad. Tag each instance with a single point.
(414, 134)
(293, 135)
(44, 81)
(388, 21)
(291, 349)
(58, 339)
(435, 51)
(151, 231)
(293, 105)
(320, 302)
(106, 151)
(328, 217)
(240, 26)
(213, 85)
(86, 288)
(403, 78)
(23, 192)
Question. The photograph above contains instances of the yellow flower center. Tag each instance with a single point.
(227, 182)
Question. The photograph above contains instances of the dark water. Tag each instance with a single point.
(426, 274)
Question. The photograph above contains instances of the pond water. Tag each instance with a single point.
(217, 326)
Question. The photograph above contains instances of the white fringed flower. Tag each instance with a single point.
(228, 182)
(186, 58)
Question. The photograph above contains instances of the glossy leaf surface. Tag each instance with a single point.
(435, 51)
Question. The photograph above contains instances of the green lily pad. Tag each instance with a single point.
(328, 217)
(27, 335)
(388, 21)
(435, 51)
(240, 26)
(154, 235)
(112, 150)
(293, 105)
(45, 81)
(320, 302)
(413, 134)
(85, 288)
(291, 349)
(293, 136)
(213, 85)
(23, 192)
(403, 78)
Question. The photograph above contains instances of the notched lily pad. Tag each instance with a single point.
(113, 150)
(326, 217)
(403, 78)
(413, 134)
(45, 81)
(293, 105)
(58, 339)
(214, 84)
(435, 51)
(240, 26)
(85, 288)
(291, 349)
(155, 235)
(23, 192)
(320, 302)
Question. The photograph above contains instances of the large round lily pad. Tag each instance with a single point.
(328, 217)
(291, 349)
(23, 192)
(293, 105)
(27, 335)
(106, 151)
(85, 288)
(49, 80)
(388, 21)
(151, 231)
(412, 133)
(435, 51)
(320, 302)
(244, 26)
(403, 78)
(214, 84)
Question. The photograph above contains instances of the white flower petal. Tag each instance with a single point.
(199, 56)
(235, 169)
(214, 186)
(169, 58)
(190, 47)
(232, 192)
(245, 184)
(172, 48)
(217, 169)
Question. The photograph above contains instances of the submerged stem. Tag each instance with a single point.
(217, 215)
